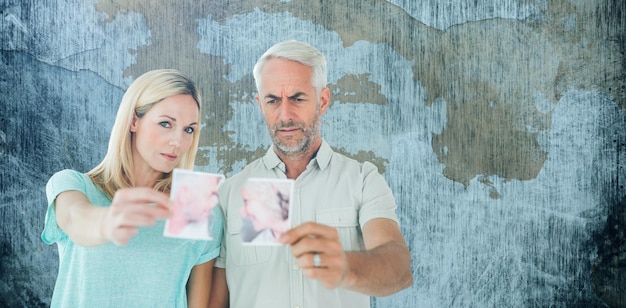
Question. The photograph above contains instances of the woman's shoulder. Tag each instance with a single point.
(69, 172)
(70, 175)
(69, 179)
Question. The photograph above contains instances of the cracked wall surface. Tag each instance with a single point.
(500, 126)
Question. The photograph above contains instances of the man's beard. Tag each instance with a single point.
(309, 132)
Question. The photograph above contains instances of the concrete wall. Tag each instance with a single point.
(499, 125)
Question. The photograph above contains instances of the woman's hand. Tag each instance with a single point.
(130, 209)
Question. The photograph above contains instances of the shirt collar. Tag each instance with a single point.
(322, 159)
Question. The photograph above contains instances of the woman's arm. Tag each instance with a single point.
(90, 225)
(219, 289)
(199, 285)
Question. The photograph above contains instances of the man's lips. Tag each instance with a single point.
(288, 130)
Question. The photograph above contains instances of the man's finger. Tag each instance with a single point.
(308, 245)
(309, 229)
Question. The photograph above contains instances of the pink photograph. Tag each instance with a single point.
(265, 211)
(195, 197)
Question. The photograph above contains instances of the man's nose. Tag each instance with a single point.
(286, 110)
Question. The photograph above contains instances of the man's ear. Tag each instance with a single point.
(258, 101)
(324, 100)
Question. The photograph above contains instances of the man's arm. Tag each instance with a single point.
(382, 269)
(219, 289)
(199, 285)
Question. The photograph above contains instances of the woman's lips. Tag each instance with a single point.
(170, 157)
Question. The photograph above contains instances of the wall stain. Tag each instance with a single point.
(357, 89)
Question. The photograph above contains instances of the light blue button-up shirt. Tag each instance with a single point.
(334, 190)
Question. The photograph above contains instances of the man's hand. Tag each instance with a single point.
(383, 268)
(310, 239)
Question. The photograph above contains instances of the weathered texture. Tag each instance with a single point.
(499, 125)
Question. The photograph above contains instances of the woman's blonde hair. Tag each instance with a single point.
(116, 171)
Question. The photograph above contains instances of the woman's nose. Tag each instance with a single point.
(244, 211)
(175, 140)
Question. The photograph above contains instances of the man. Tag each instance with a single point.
(346, 244)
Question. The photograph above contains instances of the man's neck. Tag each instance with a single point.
(295, 164)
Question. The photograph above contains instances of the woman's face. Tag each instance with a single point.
(258, 213)
(196, 202)
(164, 134)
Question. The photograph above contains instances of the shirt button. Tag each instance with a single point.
(296, 267)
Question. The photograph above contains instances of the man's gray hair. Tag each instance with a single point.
(295, 51)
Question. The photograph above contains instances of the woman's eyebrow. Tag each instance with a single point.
(174, 119)
(169, 117)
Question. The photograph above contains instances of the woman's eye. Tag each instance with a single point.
(189, 130)
(165, 124)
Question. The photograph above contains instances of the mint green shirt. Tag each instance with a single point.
(333, 190)
(150, 271)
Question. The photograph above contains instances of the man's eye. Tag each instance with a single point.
(272, 101)
(165, 124)
(189, 130)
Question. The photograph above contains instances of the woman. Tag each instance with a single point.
(108, 223)
(266, 207)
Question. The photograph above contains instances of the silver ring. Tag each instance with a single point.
(317, 261)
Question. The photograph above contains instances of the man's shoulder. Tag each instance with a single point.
(346, 161)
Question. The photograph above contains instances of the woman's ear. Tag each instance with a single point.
(133, 124)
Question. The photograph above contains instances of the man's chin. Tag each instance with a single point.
(290, 149)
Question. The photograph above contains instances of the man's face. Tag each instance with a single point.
(290, 105)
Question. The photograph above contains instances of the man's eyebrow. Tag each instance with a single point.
(297, 94)
(272, 96)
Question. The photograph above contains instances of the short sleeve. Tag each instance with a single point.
(378, 200)
(223, 192)
(61, 181)
(217, 229)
